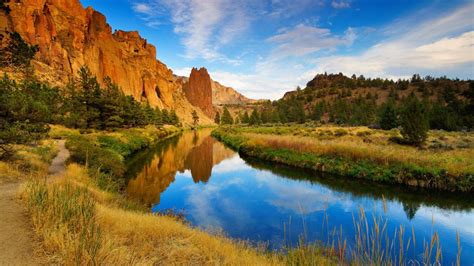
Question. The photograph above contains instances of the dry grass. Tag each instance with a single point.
(363, 143)
(28, 160)
(98, 230)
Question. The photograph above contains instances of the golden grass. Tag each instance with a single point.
(113, 235)
(373, 145)
(28, 160)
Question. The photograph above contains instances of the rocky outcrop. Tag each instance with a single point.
(70, 36)
(198, 90)
(223, 95)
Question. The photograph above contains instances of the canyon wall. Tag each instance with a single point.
(70, 36)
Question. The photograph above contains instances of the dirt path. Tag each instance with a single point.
(16, 234)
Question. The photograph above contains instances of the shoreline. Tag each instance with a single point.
(404, 174)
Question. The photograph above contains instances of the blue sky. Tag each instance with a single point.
(264, 48)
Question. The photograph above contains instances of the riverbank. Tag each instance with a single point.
(83, 218)
(446, 163)
(107, 151)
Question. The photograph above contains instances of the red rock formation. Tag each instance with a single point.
(70, 36)
(198, 90)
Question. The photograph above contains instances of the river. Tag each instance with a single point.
(219, 191)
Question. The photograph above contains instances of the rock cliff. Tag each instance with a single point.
(198, 90)
(70, 36)
(223, 95)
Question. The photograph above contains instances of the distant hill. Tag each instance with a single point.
(330, 87)
(356, 100)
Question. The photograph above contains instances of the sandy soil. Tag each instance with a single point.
(17, 244)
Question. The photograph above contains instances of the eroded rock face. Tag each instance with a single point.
(198, 90)
(222, 95)
(70, 36)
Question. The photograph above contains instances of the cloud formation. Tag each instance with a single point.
(442, 44)
(430, 41)
(303, 39)
(340, 4)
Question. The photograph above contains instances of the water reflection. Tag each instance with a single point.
(410, 198)
(155, 170)
(250, 199)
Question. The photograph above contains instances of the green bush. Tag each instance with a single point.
(85, 151)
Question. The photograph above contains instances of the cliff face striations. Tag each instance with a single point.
(198, 90)
(70, 36)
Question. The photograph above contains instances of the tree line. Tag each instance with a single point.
(27, 107)
(414, 114)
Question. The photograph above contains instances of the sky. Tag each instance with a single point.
(263, 48)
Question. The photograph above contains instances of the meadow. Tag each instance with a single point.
(84, 218)
(445, 161)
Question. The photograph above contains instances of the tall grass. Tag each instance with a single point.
(352, 156)
(79, 223)
(372, 245)
(64, 217)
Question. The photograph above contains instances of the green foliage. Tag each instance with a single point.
(226, 117)
(17, 53)
(255, 118)
(87, 105)
(414, 122)
(388, 118)
(24, 113)
(246, 119)
(85, 151)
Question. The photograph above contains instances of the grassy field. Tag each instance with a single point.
(445, 162)
(85, 219)
(79, 223)
(28, 161)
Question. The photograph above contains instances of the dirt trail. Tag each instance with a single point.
(16, 235)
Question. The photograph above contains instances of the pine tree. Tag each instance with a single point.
(217, 118)
(173, 118)
(254, 118)
(166, 117)
(388, 116)
(413, 120)
(226, 117)
(159, 117)
(246, 118)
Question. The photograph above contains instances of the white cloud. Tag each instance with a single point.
(340, 4)
(441, 45)
(142, 8)
(203, 26)
(304, 39)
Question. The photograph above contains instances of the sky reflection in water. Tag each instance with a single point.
(218, 190)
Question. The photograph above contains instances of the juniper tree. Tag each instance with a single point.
(414, 122)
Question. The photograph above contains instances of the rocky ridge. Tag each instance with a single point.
(70, 36)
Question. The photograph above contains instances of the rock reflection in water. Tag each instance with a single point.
(196, 151)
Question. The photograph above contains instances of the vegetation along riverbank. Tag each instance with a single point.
(359, 152)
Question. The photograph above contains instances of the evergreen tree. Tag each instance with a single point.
(217, 118)
(226, 117)
(159, 118)
(174, 119)
(22, 117)
(254, 118)
(246, 118)
(275, 116)
(388, 116)
(166, 117)
(318, 111)
(413, 120)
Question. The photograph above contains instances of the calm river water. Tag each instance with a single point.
(218, 190)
